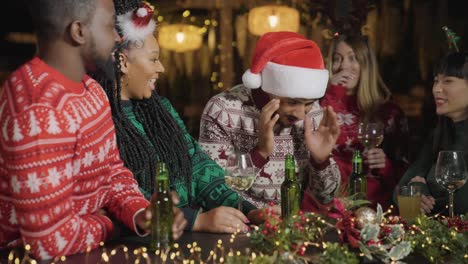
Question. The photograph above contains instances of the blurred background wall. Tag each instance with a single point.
(406, 35)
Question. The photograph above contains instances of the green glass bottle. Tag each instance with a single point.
(161, 209)
(290, 189)
(357, 179)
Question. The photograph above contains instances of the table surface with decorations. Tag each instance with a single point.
(344, 235)
(195, 246)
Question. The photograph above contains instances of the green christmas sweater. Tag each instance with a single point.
(208, 186)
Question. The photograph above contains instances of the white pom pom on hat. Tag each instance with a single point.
(142, 12)
(288, 65)
(251, 80)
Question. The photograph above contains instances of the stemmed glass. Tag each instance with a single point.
(370, 134)
(450, 173)
(239, 174)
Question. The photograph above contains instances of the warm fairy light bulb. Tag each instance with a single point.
(180, 37)
(273, 20)
(105, 257)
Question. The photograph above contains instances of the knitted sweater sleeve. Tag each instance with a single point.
(125, 198)
(38, 181)
(324, 181)
(215, 137)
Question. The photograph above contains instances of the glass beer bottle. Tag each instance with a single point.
(161, 209)
(357, 179)
(290, 189)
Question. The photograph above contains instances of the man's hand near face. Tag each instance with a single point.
(268, 119)
(321, 142)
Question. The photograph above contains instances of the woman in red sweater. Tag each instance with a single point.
(357, 94)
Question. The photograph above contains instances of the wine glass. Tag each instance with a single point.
(239, 174)
(370, 134)
(450, 173)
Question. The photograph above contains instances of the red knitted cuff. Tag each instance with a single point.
(310, 204)
(131, 209)
(258, 160)
(108, 226)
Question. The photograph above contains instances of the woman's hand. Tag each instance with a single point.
(179, 223)
(342, 78)
(427, 204)
(221, 220)
(375, 158)
(418, 179)
(143, 218)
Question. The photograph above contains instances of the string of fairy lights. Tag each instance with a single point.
(302, 224)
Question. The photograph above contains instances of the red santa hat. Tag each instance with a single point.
(136, 25)
(288, 65)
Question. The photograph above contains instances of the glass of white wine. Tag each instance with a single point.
(450, 173)
(239, 174)
(370, 134)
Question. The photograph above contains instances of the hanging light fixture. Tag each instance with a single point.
(270, 18)
(180, 37)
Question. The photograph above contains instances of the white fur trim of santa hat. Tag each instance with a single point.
(288, 81)
(287, 64)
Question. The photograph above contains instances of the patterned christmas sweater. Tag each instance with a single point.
(380, 182)
(230, 121)
(208, 187)
(59, 164)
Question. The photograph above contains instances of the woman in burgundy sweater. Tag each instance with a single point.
(357, 94)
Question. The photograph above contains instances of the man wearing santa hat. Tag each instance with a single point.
(283, 117)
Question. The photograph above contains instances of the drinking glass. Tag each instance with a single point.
(370, 134)
(450, 173)
(239, 174)
(409, 201)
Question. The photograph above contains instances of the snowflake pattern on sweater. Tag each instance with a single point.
(230, 121)
(59, 164)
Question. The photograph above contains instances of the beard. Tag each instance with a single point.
(103, 67)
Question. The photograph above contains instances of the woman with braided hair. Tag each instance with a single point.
(149, 130)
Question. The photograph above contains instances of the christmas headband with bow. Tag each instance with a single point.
(137, 24)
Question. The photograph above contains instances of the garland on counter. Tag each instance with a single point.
(365, 233)
(440, 239)
(362, 233)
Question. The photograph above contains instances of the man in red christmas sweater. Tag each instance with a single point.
(283, 117)
(59, 163)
